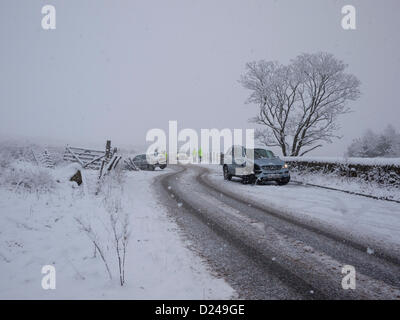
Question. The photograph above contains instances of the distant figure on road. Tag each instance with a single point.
(194, 153)
(200, 154)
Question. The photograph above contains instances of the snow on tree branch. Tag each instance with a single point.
(299, 104)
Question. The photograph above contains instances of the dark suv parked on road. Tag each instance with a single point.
(264, 166)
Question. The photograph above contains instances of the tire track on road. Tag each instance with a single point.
(273, 274)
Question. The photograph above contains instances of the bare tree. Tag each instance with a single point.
(300, 103)
(86, 227)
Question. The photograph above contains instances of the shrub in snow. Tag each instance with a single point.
(371, 145)
(95, 239)
(11, 152)
(120, 232)
(5, 160)
(109, 228)
(24, 175)
(112, 189)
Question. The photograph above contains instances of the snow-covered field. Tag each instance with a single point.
(38, 227)
(375, 221)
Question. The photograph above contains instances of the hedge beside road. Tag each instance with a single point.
(384, 171)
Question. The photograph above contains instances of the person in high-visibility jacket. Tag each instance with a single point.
(200, 154)
(194, 153)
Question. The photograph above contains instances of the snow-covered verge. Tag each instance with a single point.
(374, 221)
(356, 185)
(39, 214)
(378, 177)
(353, 161)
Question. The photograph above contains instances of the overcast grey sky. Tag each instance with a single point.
(117, 68)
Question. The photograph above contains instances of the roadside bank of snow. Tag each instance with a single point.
(348, 184)
(40, 229)
(343, 160)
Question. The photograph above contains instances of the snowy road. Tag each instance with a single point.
(264, 254)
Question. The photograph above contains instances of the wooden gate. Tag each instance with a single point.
(88, 158)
